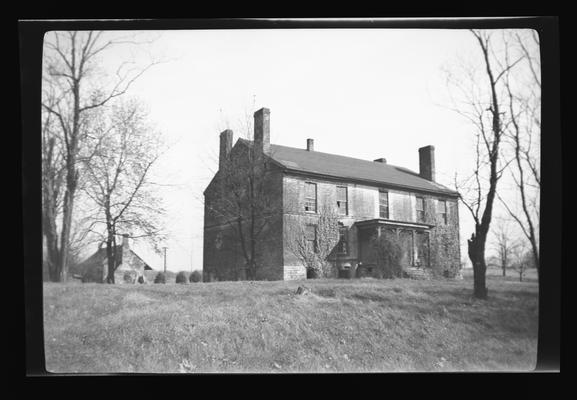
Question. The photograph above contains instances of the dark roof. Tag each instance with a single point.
(332, 165)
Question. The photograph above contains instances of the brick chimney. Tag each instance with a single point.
(125, 242)
(310, 145)
(126, 253)
(262, 130)
(427, 162)
(381, 160)
(225, 147)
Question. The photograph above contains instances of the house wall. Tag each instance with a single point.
(363, 204)
(444, 238)
(95, 267)
(131, 269)
(223, 257)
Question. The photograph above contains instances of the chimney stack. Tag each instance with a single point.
(125, 242)
(262, 130)
(310, 145)
(225, 147)
(427, 162)
(381, 160)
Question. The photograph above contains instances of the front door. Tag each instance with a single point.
(406, 243)
(422, 249)
(366, 248)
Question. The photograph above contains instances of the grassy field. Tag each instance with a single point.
(340, 326)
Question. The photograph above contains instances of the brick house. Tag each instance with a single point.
(130, 266)
(369, 196)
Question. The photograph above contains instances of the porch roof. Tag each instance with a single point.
(371, 223)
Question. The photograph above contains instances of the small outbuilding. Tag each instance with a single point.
(130, 266)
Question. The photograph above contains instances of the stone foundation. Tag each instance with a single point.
(294, 272)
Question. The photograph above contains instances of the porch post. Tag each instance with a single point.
(415, 250)
(429, 250)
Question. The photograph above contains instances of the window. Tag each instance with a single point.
(342, 246)
(442, 209)
(310, 197)
(311, 237)
(342, 200)
(420, 209)
(383, 204)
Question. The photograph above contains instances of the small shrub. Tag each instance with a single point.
(141, 279)
(181, 277)
(195, 276)
(160, 278)
(388, 252)
(312, 273)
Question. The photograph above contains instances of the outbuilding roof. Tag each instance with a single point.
(337, 166)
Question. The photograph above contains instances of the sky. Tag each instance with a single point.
(361, 93)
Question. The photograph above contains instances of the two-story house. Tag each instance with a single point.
(369, 196)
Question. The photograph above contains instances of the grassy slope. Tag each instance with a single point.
(356, 325)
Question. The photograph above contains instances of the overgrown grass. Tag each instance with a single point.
(340, 326)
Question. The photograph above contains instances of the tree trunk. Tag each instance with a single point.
(479, 273)
(52, 255)
(110, 265)
(251, 271)
(535, 255)
(65, 235)
(476, 247)
(49, 229)
(111, 258)
(479, 277)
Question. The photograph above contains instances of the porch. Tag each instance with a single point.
(414, 239)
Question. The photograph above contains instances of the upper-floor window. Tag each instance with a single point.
(311, 237)
(342, 246)
(420, 209)
(383, 204)
(342, 200)
(310, 197)
(442, 210)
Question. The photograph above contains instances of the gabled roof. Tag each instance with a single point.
(99, 256)
(336, 166)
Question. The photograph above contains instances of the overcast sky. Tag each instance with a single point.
(360, 93)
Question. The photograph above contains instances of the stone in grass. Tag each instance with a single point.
(302, 290)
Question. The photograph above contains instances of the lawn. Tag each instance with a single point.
(360, 325)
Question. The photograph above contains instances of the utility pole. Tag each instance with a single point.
(191, 263)
(164, 260)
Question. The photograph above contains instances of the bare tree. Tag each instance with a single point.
(243, 196)
(52, 185)
(118, 180)
(314, 243)
(521, 258)
(244, 202)
(505, 246)
(69, 96)
(524, 102)
(483, 107)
